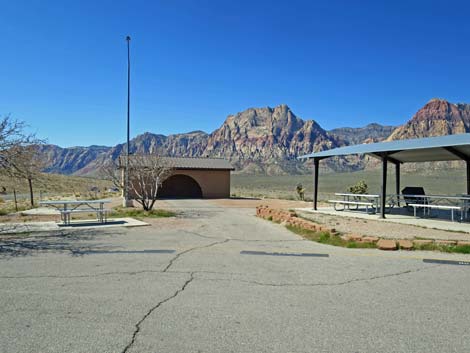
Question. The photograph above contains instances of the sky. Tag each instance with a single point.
(63, 64)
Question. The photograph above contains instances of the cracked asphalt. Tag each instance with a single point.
(112, 291)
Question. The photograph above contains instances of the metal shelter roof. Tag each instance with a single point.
(428, 149)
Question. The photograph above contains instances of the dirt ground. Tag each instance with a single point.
(252, 203)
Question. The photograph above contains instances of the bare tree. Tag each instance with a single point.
(24, 162)
(146, 175)
(18, 152)
(111, 171)
(12, 135)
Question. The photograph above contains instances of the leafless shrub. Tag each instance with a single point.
(19, 156)
(146, 175)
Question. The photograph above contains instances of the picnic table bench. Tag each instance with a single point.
(69, 207)
(440, 207)
(428, 202)
(349, 199)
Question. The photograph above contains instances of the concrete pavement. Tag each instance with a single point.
(123, 290)
(40, 228)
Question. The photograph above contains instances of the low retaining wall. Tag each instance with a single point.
(290, 218)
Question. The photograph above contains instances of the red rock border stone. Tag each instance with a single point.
(290, 218)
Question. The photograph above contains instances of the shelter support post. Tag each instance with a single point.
(384, 187)
(316, 163)
(397, 182)
(468, 176)
(463, 157)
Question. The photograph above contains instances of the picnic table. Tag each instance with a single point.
(452, 203)
(68, 207)
(443, 202)
(356, 200)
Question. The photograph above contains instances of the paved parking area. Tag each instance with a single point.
(212, 280)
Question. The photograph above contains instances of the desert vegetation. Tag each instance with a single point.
(120, 212)
(284, 186)
(50, 186)
(146, 174)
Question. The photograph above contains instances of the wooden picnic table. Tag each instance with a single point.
(67, 207)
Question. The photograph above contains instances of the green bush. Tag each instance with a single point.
(359, 188)
(157, 213)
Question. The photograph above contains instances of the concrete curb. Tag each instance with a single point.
(41, 227)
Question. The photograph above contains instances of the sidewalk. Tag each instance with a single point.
(40, 227)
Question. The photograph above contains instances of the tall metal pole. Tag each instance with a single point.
(126, 185)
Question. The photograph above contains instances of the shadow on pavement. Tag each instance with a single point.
(74, 243)
(94, 224)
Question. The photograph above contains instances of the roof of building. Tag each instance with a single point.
(200, 163)
(440, 148)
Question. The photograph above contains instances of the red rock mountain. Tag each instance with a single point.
(257, 140)
(267, 140)
(438, 117)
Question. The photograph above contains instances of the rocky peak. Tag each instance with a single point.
(256, 122)
(260, 139)
(438, 117)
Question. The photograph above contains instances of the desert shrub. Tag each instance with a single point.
(359, 188)
(300, 191)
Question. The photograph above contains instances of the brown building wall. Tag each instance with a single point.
(214, 183)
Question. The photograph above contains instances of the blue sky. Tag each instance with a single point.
(341, 63)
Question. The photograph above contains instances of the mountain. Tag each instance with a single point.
(191, 144)
(438, 117)
(370, 133)
(69, 160)
(266, 140)
(257, 140)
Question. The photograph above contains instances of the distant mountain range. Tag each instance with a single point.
(265, 141)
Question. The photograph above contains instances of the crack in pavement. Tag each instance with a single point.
(119, 273)
(172, 261)
(152, 309)
(222, 279)
(165, 270)
(269, 240)
(202, 236)
(85, 276)
(248, 240)
(354, 280)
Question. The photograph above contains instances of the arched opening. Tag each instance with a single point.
(180, 186)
